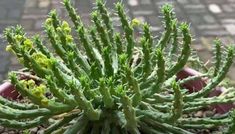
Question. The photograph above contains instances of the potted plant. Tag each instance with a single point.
(112, 82)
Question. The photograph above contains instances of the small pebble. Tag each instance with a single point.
(214, 8)
(208, 113)
(12, 132)
(34, 130)
(199, 114)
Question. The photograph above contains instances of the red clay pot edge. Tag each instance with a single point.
(197, 85)
(7, 90)
(192, 86)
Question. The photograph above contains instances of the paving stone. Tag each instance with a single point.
(110, 3)
(198, 47)
(231, 73)
(153, 20)
(214, 33)
(222, 16)
(154, 29)
(197, 19)
(3, 13)
(230, 28)
(227, 8)
(133, 2)
(12, 3)
(209, 27)
(195, 9)
(183, 1)
(1, 79)
(214, 8)
(10, 14)
(204, 55)
(180, 14)
(142, 8)
(43, 3)
(14, 67)
(143, 12)
(209, 18)
(14, 13)
(229, 21)
(208, 41)
(195, 1)
(28, 24)
(86, 19)
(85, 6)
(38, 24)
(4, 65)
(116, 21)
(36, 11)
(57, 6)
(31, 3)
(159, 3)
(232, 4)
(214, 1)
(227, 40)
(4, 55)
(2, 28)
(14, 60)
(145, 2)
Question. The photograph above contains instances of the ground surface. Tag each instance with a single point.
(209, 19)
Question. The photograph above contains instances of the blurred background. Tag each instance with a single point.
(209, 19)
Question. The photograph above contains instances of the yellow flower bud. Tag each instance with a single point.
(42, 88)
(9, 48)
(48, 21)
(45, 102)
(23, 82)
(21, 60)
(42, 60)
(67, 30)
(28, 44)
(31, 84)
(39, 91)
(59, 29)
(65, 25)
(135, 22)
(69, 38)
(18, 37)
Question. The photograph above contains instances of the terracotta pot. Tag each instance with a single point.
(192, 86)
(7, 90)
(196, 85)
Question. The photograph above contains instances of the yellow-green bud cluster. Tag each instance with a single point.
(42, 60)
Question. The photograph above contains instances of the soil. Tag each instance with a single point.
(202, 114)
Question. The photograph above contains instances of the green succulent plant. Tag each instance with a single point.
(104, 81)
